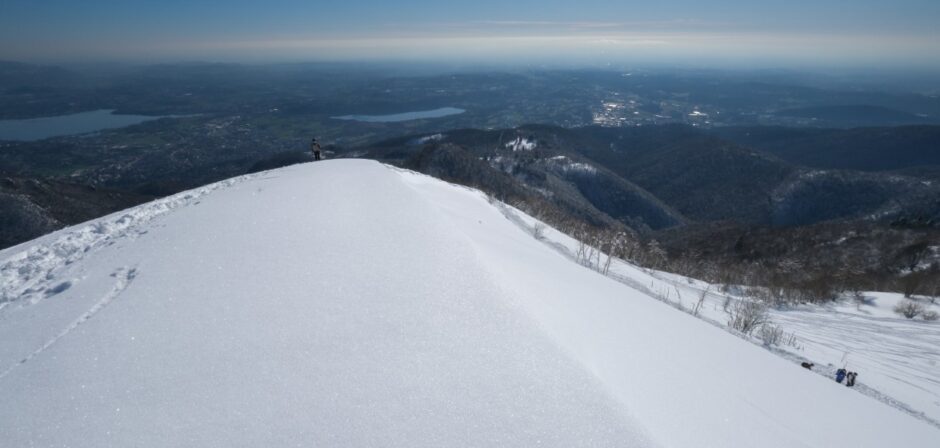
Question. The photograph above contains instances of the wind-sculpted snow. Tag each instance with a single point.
(688, 382)
(123, 278)
(344, 303)
(328, 304)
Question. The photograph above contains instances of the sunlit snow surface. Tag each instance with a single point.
(346, 303)
(897, 359)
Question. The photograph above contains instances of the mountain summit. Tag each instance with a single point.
(348, 303)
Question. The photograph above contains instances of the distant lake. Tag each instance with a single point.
(81, 123)
(404, 116)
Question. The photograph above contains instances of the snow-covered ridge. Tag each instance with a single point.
(344, 303)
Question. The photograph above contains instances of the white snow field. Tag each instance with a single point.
(347, 303)
(897, 359)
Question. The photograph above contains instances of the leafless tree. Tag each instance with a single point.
(911, 283)
(655, 256)
(747, 315)
(697, 308)
(913, 255)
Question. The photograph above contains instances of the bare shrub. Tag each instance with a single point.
(930, 316)
(770, 334)
(616, 245)
(789, 339)
(679, 299)
(582, 234)
(655, 257)
(913, 255)
(909, 309)
(747, 315)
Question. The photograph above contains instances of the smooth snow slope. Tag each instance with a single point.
(348, 303)
(896, 358)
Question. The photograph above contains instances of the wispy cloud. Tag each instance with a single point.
(544, 24)
(603, 44)
(673, 25)
(554, 42)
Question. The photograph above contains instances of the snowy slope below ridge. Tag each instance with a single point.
(896, 357)
(349, 303)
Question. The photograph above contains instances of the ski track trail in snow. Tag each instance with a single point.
(830, 330)
(123, 278)
(31, 273)
(28, 272)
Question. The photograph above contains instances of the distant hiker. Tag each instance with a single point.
(807, 365)
(850, 378)
(315, 147)
(840, 375)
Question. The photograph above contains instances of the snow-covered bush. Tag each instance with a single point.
(747, 315)
(538, 231)
(909, 309)
(930, 315)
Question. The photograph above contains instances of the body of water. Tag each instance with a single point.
(404, 116)
(81, 123)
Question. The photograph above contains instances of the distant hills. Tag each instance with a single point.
(652, 178)
(864, 149)
(28, 76)
(855, 115)
(734, 205)
(31, 207)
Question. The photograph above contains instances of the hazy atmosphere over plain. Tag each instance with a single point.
(726, 32)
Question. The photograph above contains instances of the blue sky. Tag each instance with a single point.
(790, 32)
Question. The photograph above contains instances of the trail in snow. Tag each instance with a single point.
(26, 270)
(123, 278)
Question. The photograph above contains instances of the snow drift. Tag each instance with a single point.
(347, 303)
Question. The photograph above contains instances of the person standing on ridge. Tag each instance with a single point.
(315, 148)
(840, 375)
(850, 379)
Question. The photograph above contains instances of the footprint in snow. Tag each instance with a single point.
(59, 288)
